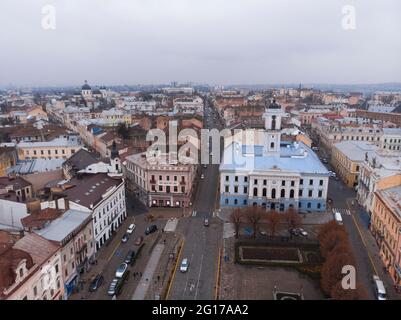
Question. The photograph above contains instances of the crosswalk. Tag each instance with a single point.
(342, 211)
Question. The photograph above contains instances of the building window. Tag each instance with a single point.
(227, 188)
(311, 182)
(264, 182)
(245, 202)
(35, 291)
(255, 181)
(300, 192)
(301, 181)
(320, 193)
(292, 183)
(236, 179)
(226, 201)
(273, 193)
(235, 201)
(283, 183)
(264, 192)
(235, 189)
(310, 193)
(245, 190)
(160, 188)
(319, 205)
(227, 178)
(255, 192)
(320, 182)
(245, 179)
(292, 193)
(21, 272)
(309, 204)
(282, 194)
(272, 145)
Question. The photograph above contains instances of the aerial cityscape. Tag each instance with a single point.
(159, 150)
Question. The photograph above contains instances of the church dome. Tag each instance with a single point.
(86, 86)
(274, 105)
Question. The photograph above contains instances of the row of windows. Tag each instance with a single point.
(362, 138)
(273, 205)
(273, 192)
(283, 182)
(175, 178)
(42, 152)
(167, 189)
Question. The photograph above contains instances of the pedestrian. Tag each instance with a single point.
(158, 278)
(140, 274)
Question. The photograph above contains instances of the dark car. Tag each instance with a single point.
(96, 283)
(130, 257)
(125, 238)
(151, 229)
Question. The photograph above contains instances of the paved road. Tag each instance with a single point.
(202, 243)
(112, 255)
(356, 223)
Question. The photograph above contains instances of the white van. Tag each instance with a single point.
(380, 292)
(338, 217)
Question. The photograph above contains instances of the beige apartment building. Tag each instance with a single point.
(62, 147)
(160, 185)
(347, 157)
(386, 228)
(31, 270)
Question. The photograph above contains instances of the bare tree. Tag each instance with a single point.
(235, 218)
(273, 220)
(254, 215)
(292, 219)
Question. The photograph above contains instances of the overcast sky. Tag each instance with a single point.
(204, 41)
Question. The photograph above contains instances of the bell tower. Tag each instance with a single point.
(273, 115)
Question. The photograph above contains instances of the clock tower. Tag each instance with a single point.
(272, 137)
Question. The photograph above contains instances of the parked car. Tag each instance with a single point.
(205, 166)
(206, 222)
(138, 240)
(380, 291)
(315, 148)
(131, 228)
(324, 160)
(263, 233)
(151, 229)
(130, 257)
(294, 231)
(338, 217)
(202, 176)
(184, 265)
(125, 238)
(96, 283)
(302, 232)
(121, 270)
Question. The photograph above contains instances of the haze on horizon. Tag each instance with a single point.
(202, 41)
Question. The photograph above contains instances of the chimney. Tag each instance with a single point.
(66, 204)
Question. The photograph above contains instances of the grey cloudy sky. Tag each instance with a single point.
(206, 41)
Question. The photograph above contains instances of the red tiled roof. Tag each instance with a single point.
(9, 260)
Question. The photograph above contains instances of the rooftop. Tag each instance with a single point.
(36, 165)
(294, 158)
(355, 150)
(60, 228)
(89, 189)
(58, 142)
(39, 248)
(392, 196)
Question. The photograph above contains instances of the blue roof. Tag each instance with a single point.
(294, 158)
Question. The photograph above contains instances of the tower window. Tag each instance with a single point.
(273, 122)
(272, 145)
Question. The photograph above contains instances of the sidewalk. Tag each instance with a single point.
(361, 217)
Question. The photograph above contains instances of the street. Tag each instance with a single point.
(202, 243)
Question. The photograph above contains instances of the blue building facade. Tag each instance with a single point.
(273, 174)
